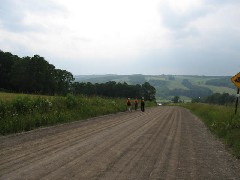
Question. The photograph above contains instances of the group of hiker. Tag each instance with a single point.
(129, 104)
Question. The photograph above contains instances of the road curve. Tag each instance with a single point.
(161, 143)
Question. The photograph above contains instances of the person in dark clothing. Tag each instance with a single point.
(136, 104)
(142, 104)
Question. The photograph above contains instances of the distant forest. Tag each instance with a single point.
(216, 98)
(191, 90)
(113, 89)
(222, 82)
(36, 76)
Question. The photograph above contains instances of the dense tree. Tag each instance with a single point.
(20, 76)
(32, 75)
(7, 60)
(175, 99)
(148, 91)
(216, 98)
(63, 80)
(113, 89)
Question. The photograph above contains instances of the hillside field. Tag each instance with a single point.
(168, 86)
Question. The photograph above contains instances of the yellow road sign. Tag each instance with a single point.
(236, 80)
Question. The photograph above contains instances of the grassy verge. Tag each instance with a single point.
(26, 112)
(222, 122)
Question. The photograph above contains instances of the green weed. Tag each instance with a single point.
(27, 112)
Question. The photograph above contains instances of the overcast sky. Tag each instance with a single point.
(181, 37)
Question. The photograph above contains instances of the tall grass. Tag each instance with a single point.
(222, 122)
(26, 112)
(5, 96)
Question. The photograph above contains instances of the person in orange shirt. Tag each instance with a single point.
(136, 104)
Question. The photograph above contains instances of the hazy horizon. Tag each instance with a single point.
(152, 75)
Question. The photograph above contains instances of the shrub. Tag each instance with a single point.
(71, 101)
(42, 105)
(22, 104)
(3, 110)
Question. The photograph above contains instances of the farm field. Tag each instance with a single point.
(168, 86)
(161, 143)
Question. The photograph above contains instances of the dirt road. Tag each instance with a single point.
(161, 143)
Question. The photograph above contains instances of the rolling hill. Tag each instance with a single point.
(167, 86)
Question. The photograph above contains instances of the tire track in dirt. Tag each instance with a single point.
(139, 162)
(186, 163)
(167, 156)
(87, 161)
(131, 152)
(161, 143)
(128, 119)
(57, 141)
(63, 141)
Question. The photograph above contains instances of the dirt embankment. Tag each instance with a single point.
(161, 143)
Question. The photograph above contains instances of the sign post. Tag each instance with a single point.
(236, 105)
(236, 81)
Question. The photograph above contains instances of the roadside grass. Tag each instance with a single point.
(222, 122)
(5, 96)
(20, 112)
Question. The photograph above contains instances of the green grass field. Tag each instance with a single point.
(21, 112)
(10, 96)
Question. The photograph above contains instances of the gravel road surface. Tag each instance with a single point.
(161, 143)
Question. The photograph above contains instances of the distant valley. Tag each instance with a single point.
(168, 86)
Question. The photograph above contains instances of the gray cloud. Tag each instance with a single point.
(13, 12)
(222, 2)
(176, 21)
(183, 33)
(201, 41)
(189, 61)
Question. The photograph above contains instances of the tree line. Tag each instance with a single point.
(221, 82)
(32, 75)
(36, 76)
(113, 89)
(216, 98)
